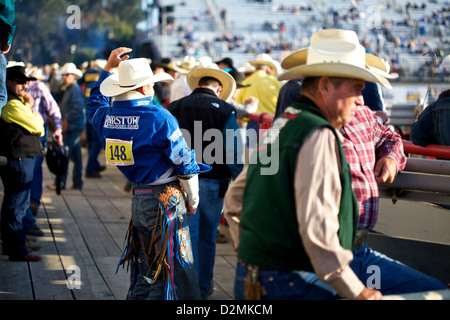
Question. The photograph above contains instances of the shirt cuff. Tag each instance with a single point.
(346, 283)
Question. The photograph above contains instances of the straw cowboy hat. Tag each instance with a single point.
(380, 66)
(189, 63)
(132, 74)
(267, 60)
(70, 68)
(247, 68)
(333, 53)
(227, 81)
(372, 62)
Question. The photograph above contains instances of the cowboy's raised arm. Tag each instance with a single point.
(116, 57)
(97, 100)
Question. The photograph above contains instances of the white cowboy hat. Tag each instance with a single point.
(227, 81)
(247, 68)
(265, 59)
(70, 68)
(132, 74)
(333, 53)
(36, 73)
(205, 62)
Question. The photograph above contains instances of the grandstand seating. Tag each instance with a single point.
(390, 23)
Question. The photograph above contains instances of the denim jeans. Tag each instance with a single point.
(16, 176)
(72, 139)
(94, 147)
(3, 92)
(394, 278)
(145, 206)
(203, 226)
(285, 285)
(28, 220)
(36, 186)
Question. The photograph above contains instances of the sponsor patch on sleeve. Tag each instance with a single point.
(176, 135)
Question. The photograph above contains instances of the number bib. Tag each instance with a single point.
(119, 152)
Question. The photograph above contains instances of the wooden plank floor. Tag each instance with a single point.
(86, 230)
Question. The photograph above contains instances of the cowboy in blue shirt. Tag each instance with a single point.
(144, 141)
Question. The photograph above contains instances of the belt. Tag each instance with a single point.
(360, 239)
(149, 189)
(142, 191)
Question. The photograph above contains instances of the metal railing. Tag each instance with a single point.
(436, 151)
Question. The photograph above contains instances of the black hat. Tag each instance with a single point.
(238, 77)
(17, 72)
(165, 63)
(227, 61)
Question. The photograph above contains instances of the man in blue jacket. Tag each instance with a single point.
(144, 141)
(432, 125)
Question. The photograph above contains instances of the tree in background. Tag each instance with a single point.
(46, 32)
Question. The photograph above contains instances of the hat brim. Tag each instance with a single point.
(299, 57)
(77, 73)
(273, 72)
(373, 62)
(182, 70)
(295, 59)
(228, 82)
(330, 69)
(23, 77)
(18, 72)
(110, 87)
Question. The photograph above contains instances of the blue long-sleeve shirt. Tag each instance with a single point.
(142, 139)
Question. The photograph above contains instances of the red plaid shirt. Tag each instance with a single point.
(365, 140)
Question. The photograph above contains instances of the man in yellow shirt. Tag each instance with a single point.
(263, 85)
(20, 129)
